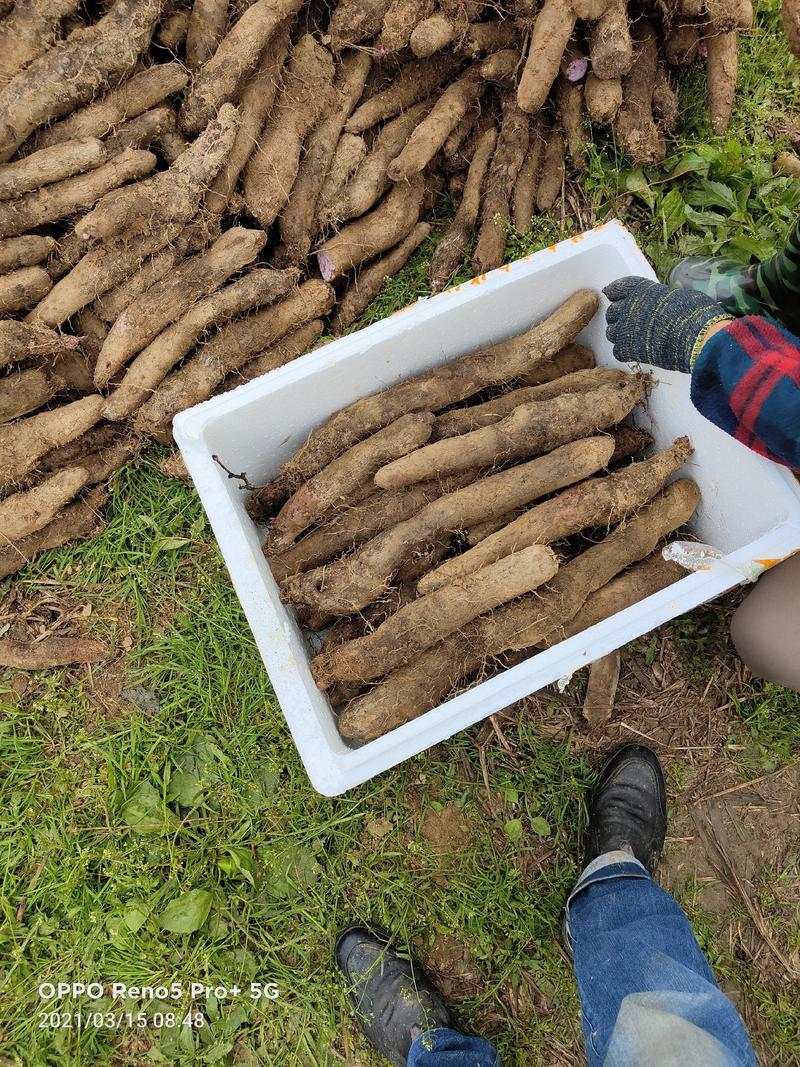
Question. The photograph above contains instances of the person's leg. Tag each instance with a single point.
(446, 1048)
(399, 1010)
(765, 628)
(769, 288)
(647, 992)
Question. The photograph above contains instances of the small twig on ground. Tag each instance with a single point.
(744, 785)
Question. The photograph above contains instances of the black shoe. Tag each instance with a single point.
(393, 998)
(629, 807)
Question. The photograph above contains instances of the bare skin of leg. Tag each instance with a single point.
(766, 627)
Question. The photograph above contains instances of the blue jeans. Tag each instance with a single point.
(647, 993)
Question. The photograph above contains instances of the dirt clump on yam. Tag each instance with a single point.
(346, 475)
(433, 391)
(531, 428)
(430, 619)
(531, 621)
(354, 581)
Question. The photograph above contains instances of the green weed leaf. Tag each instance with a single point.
(540, 826)
(170, 544)
(237, 863)
(635, 182)
(514, 829)
(187, 912)
(691, 163)
(288, 871)
(144, 811)
(673, 212)
(185, 788)
(134, 917)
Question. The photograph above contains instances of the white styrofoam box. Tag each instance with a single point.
(750, 507)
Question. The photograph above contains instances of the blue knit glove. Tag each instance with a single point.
(650, 323)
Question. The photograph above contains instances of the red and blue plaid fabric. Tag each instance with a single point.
(747, 381)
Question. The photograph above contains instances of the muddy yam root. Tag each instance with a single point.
(71, 73)
(512, 146)
(569, 360)
(433, 391)
(385, 226)
(22, 340)
(22, 288)
(254, 104)
(166, 300)
(635, 124)
(233, 346)
(207, 24)
(432, 132)
(297, 219)
(28, 31)
(100, 269)
(56, 201)
(415, 82)
(634, 585)
(172, 195)
(75, 522)
(23, 514)
(50, 652)
(551, 33)
(429, 619)
(790, 12)
(371, 181)
(603, 98)
(127, 101)
(353, 525)
(611, 49)
(722, 66)
(24, 251)
(152, 365)
(349, 584)
(399, 22)
(598, 502)
(529, 429)
(410, 691)
(218, 81)
(337, 483)
(524, 196)
(23, 443)
(551, 177)
(450, 250)
(432, 34)
(27, 390)
(571, 107)
(464, 420)
(289, 347)
(50, 165)
(272, 168)
(360, 294)
(347, 158)
(355, 20)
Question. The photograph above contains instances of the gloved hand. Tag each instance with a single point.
(650, 323)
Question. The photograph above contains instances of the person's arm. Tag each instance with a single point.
(746, 380)
(745, 372)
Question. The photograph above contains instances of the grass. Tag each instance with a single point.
(185, 843)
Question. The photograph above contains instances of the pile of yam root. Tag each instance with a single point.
(194, 193)
(457, 521)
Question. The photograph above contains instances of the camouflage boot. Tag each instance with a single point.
(770, 288)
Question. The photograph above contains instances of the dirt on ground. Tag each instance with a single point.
(41, 614)
(734, 835)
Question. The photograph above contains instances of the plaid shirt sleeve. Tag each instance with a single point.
(746, 380)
